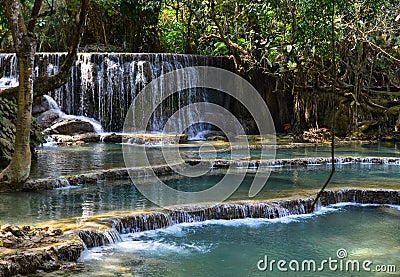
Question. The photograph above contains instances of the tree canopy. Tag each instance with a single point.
(289, 41)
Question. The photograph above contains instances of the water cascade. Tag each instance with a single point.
(228, 211)
(103, 85)
(157, 220)
(9, 77)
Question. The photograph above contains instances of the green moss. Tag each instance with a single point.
(8, 116)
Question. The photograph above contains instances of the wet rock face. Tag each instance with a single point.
(46, 111)
(40, 105)
(389, 197)
(156, 220)
(15, 237)
(47, 118)
(270, 210)
(39, 260)
(93, 177)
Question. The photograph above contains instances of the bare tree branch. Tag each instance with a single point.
(44, 84)
(383, 51)
(34, 14)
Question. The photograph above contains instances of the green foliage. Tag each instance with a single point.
(127, 25)
(220, 49)
(3, 18)
(289, 40)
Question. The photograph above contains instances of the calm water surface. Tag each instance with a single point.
(111, 196)
(54, 161)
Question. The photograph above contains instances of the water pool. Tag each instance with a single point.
(80, 202)
(54, 161)
(233, 248)
(218, 248)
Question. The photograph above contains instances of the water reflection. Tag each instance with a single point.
(121, 195)
(54, 161)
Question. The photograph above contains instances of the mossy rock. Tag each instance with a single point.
(8, 116)
(250, 138)
(358, 135)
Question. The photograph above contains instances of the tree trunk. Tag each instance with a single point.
(25, 45)
(18, 169)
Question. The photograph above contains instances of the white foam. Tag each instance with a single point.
(154, 241)
(160, 247)
(7, 82)
(397, 207)
(92, 254)
(68, 187)
(49, 142)
(346, 204)
(200, 135)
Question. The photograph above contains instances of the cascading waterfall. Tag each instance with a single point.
(269, 210)
(157, 220)
(103, 85)
(9, 77)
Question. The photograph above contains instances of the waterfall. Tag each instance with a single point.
(157, 220)
(102, 86)
(9, 77)
(140, 222)
(296, 162)
(92, 238)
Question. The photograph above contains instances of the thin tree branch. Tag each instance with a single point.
(383, 51)
(334, 77)
(44, 84)
(229, 43)
(34, 14)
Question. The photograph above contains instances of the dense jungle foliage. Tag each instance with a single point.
(283, 47)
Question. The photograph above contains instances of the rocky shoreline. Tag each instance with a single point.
(25, 250)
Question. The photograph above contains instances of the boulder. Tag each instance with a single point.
(71, 127)
(47, 118)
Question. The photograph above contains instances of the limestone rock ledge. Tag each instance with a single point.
(25, 251)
